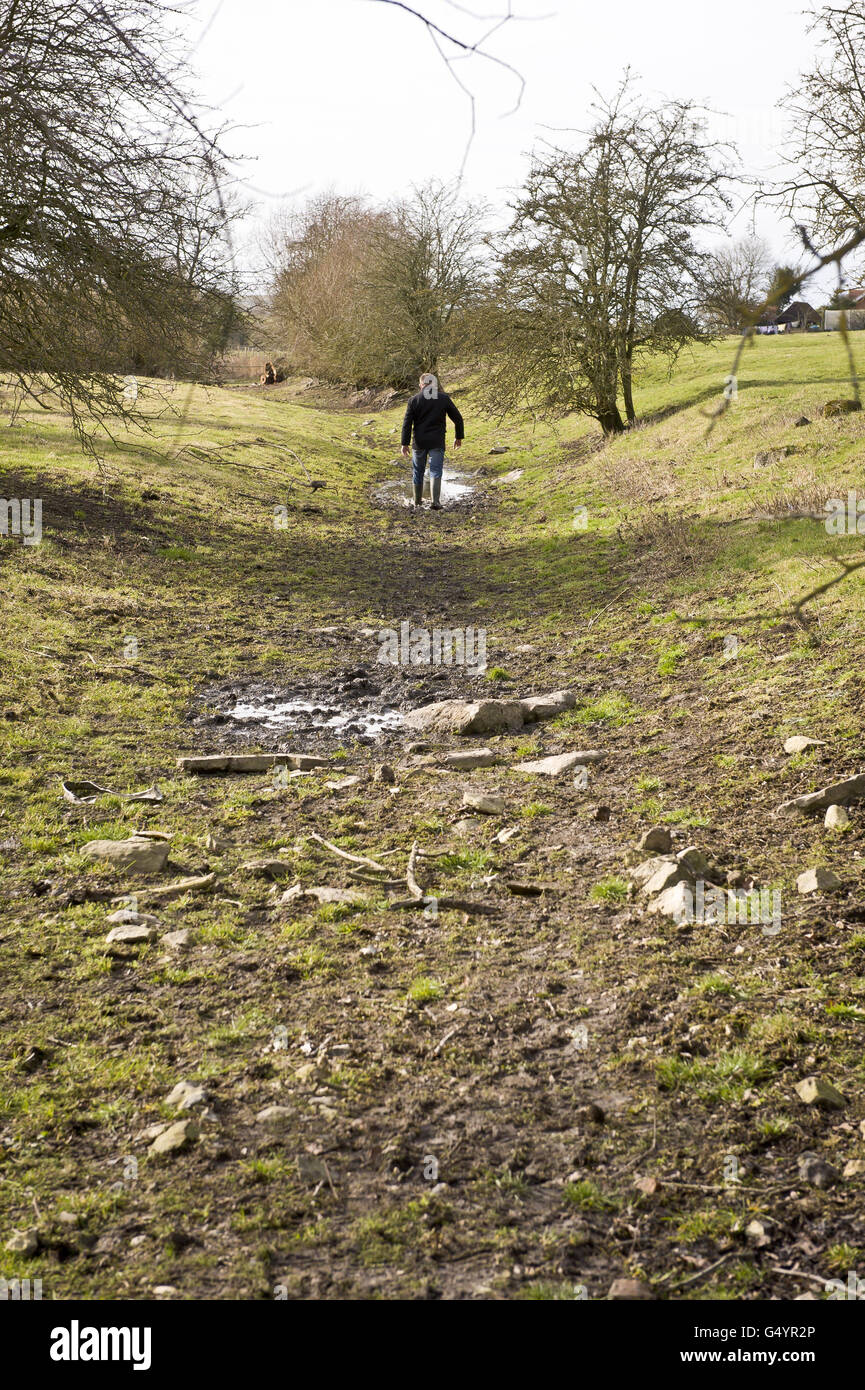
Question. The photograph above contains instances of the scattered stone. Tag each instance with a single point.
(601, 813)
(507, 834)
(147, 1136)
(176, 1137)
(130, 936)
(277, 1116)
(467, 761)
(812, 1090)
(667, 876)
(836, 818)
(385, 773)
(177, 940)
(766, 457)
(512, 477)
(324, 894)
(629, 1289)
(815, 1170)
(558, 763)
(801, 422)
(537, 707)
(818, 881)
(128, 917)
(487, 805)
(648, 1186)
(839, 407)
(658, 840)
(67, 1218)
(185, 1096)
(499, 449)
(267, 868)
(854, 1168)
(418, 748)
(342, 784)
(676, 902)
(694, 860)
(839, 794)
(467, 825)
(23, 1242)
(594, 1113)
(799, 742)
(755, 1232)
(645, 872)
(311, 1170)
(146, 856)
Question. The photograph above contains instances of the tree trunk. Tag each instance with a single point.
(611, 421)
(628, 392)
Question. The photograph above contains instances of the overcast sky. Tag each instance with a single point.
(352, 94)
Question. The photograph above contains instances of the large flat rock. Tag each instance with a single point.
(839, 794)
(467, 717)
(559, 763)
(249, 762)
(145, 855)
(547, 706)
(488, 716)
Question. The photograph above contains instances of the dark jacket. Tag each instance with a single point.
(426, 415)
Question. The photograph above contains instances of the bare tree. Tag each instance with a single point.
(600, 262)
(735, 283)
(374, 296)
(427, 273)
(112, 223)
(826, 189)
(320, 256)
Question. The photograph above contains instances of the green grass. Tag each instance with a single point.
(610, 890)
(631, 614)
(424, 990)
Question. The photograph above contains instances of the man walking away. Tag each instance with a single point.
(426, 415)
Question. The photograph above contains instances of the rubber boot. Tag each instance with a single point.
(418, 497)
(436, 494)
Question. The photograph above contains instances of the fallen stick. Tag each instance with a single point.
(455, 904)
(447, 1037)
(801, 1274)
(344, 854)
(413, 886)
(170, 890)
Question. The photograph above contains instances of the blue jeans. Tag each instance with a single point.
(419, 461)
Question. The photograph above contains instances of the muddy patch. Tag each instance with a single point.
(458, 490)
(363, 705)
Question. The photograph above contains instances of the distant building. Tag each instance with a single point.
(798, 316)
(855, 314)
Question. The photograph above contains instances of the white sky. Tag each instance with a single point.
(352, 93)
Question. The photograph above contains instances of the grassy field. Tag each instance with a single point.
(459, 1135)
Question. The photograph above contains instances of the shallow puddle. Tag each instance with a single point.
(306, 716)
(456, 487)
